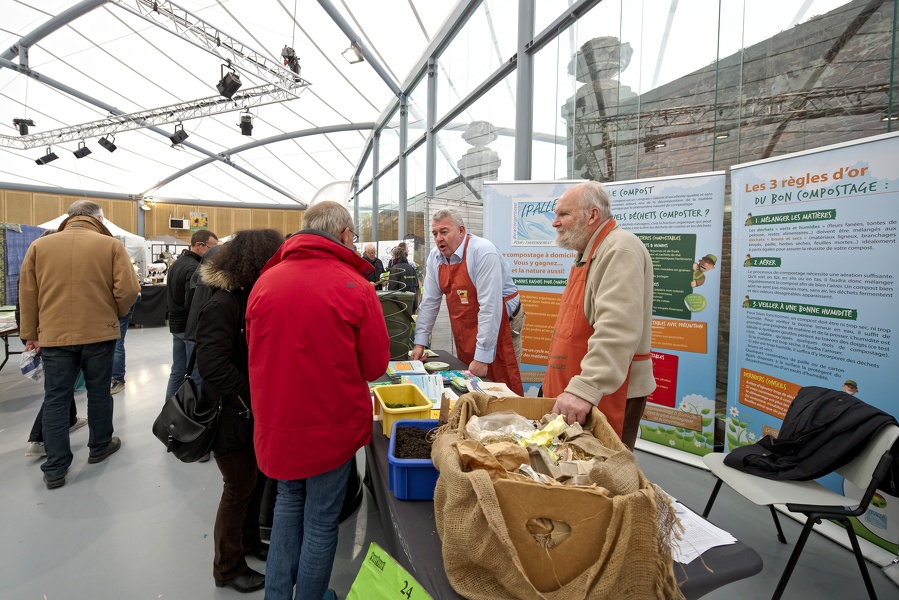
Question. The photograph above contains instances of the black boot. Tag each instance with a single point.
(248, 581)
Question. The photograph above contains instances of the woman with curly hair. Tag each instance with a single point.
(221, 349)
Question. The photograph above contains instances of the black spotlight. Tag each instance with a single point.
(246, 124)
(229, 83)
(179, 136)
(82, 151)
(107, 143)
(23, 124)
(48, 157)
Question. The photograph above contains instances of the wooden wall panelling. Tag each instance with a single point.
(242, 218)
(294, 221)
(277, 220)
(47, 207)
(223, 220)
(19, 208)
(124, 214)
(260, 219)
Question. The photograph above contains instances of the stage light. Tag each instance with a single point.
(886, 117)
(145, 205)
(82, 150)
(290, 59)
(352, 54)
(108, 143)
(23, 124)
(229, 83)
(48, 157)
(722, 136)
(179, 136)
(246, 124)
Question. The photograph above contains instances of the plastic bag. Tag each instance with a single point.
(32, 366)
(498, 424)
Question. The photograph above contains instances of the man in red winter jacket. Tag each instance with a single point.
(316, 336)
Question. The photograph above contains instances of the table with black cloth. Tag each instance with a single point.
(152, 307)
(411, 533)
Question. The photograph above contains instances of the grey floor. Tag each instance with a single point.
(139, 525)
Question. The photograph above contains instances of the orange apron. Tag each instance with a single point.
(462, 302)
(569, 342)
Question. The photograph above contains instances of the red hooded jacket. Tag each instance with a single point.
(316, 334)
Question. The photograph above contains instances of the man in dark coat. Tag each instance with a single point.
(179, 275)
(371, 256)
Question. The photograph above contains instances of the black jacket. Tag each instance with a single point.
(176, 290)
(403, 277)
(823, 430)
(221, 348)
(197, 295)
(375, 276)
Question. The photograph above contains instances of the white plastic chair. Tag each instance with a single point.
(811, 498)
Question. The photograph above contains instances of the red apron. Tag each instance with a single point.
(569, 342)
(462, 302)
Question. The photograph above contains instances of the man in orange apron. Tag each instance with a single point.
(599, 355)
(483, 302)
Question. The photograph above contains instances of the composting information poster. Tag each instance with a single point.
(815, 264)
(679, 219)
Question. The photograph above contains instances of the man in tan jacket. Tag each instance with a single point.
(73, 287)
(599, 355)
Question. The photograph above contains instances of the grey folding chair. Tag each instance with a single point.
(812, 499)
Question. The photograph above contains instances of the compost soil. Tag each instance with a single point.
(411, 443)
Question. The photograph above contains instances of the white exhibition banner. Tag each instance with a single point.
(518, 217)
(815, 264)
(680, 221)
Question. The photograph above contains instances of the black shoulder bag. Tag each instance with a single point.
(186, 432)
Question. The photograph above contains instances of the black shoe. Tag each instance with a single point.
(259, 552)
(248, 581)
(52, 484)
(113, 446)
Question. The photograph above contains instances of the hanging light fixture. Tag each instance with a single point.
(229, 83)
(22, 125)
(50, 156)
(246, 123)
(82, 150)
(352, 54)
(107, 143)
(179, 136)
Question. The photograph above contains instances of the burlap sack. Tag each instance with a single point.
(617, 548)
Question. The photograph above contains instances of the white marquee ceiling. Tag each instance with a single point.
(121, 60)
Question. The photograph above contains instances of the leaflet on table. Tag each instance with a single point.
(396, 368)
(431, 385)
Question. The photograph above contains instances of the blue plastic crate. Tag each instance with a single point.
(411, 479)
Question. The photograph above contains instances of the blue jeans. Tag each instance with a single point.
(61, 366)
(181, 349)
(118, 362)
(304, 535)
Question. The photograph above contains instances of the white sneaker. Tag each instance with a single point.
(79, 423)
(35, 449)
(117, 386)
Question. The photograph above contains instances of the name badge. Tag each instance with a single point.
(463, 296)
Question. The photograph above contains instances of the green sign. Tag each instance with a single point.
(833, 312)
(673, 255)
(381, 577)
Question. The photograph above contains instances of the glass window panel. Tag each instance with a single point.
(487, 40)
(479, 146)
(388, 204)
(363, 225)
(416, 208)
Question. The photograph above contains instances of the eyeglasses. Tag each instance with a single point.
(355, 237)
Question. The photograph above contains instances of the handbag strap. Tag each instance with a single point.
(191, 361)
